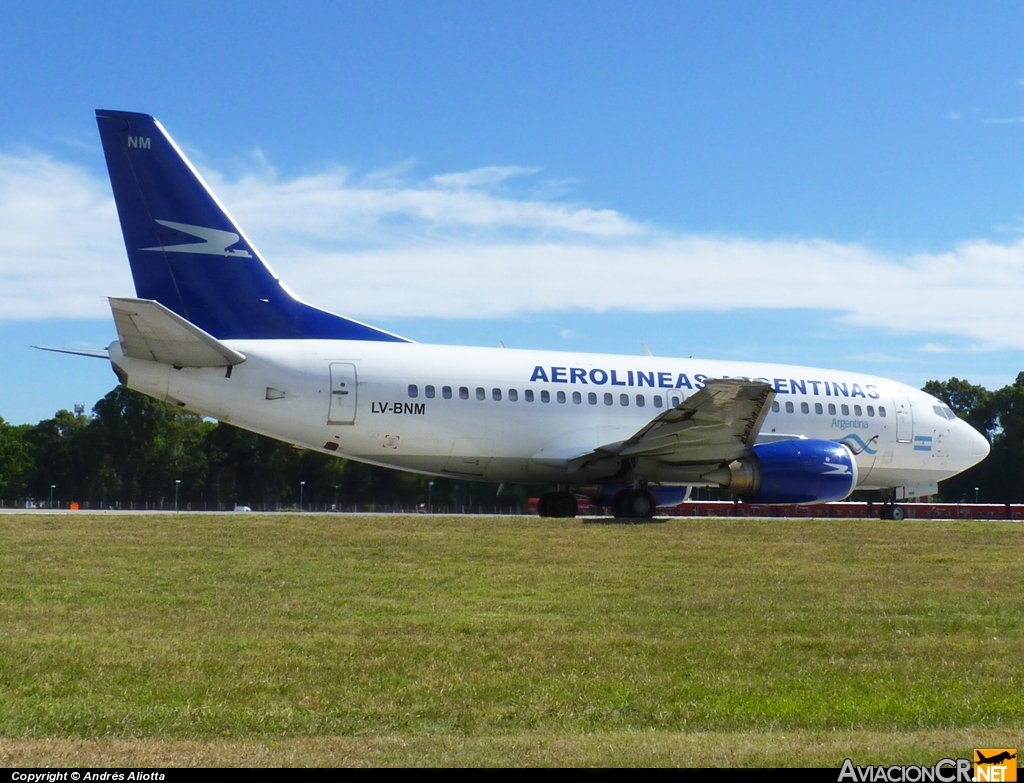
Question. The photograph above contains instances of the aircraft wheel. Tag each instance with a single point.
(563, 505)
(897, 514)
(642, 504)
(634, 504)
(544, 504)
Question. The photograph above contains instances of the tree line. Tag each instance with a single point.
(999, 416)
(136, 452)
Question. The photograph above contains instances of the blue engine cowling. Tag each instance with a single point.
(804, 471)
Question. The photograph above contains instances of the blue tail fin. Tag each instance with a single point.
(187, 253)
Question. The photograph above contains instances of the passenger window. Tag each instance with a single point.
(428, 392)
(817, 408)
(640, 401)
(675, 401)
(857, 411)
(871, 410)
(624, 400)
(845, 409)
(775, 407)
(657, 401)
(881, 411)
(789, 407)
(413, 390)
(831, 409)
(577, 398)
(545, 396)
(560, 396)
(496, 395)
(480, 393)
(528, 395)
(446, 392)
(805, 408)
(608, 399)
(592, 398)
(463, 393)
(513, 395)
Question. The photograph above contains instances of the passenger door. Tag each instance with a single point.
(904, 419)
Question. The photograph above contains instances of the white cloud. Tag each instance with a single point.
(458, 246)
(482, 177)
(60, 243)
(877, 357)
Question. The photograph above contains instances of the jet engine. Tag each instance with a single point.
(791, 471)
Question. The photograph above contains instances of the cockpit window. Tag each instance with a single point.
(944, 411)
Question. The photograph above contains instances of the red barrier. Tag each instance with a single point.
(845, 510)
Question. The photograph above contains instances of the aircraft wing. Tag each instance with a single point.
(717, 424)
(148, 330)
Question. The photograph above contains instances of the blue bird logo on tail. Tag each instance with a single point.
(215, 242)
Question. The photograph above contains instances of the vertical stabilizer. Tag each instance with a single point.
(188, 254)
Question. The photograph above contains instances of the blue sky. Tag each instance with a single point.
(836, 185)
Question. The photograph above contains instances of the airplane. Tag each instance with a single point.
(213, 330)
(996, 759)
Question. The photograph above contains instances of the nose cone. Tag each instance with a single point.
(979, 446)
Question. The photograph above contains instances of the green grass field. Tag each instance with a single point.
(291, 639)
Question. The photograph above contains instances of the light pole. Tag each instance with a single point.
(975, 494)
(302, 486)
(430, 492)
(177, 486)
(54, 486)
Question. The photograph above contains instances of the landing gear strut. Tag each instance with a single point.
(634, 504)
(559, 504)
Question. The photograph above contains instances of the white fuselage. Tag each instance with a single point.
(520, 415)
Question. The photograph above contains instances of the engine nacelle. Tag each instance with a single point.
(791, 471)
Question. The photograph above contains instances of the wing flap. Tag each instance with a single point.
(717, 424)
(148, 330)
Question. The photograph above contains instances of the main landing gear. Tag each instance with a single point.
(634, 504)
(892, 511)
(557, 504)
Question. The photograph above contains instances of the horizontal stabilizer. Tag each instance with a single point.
(103, 354)
(148, 330)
